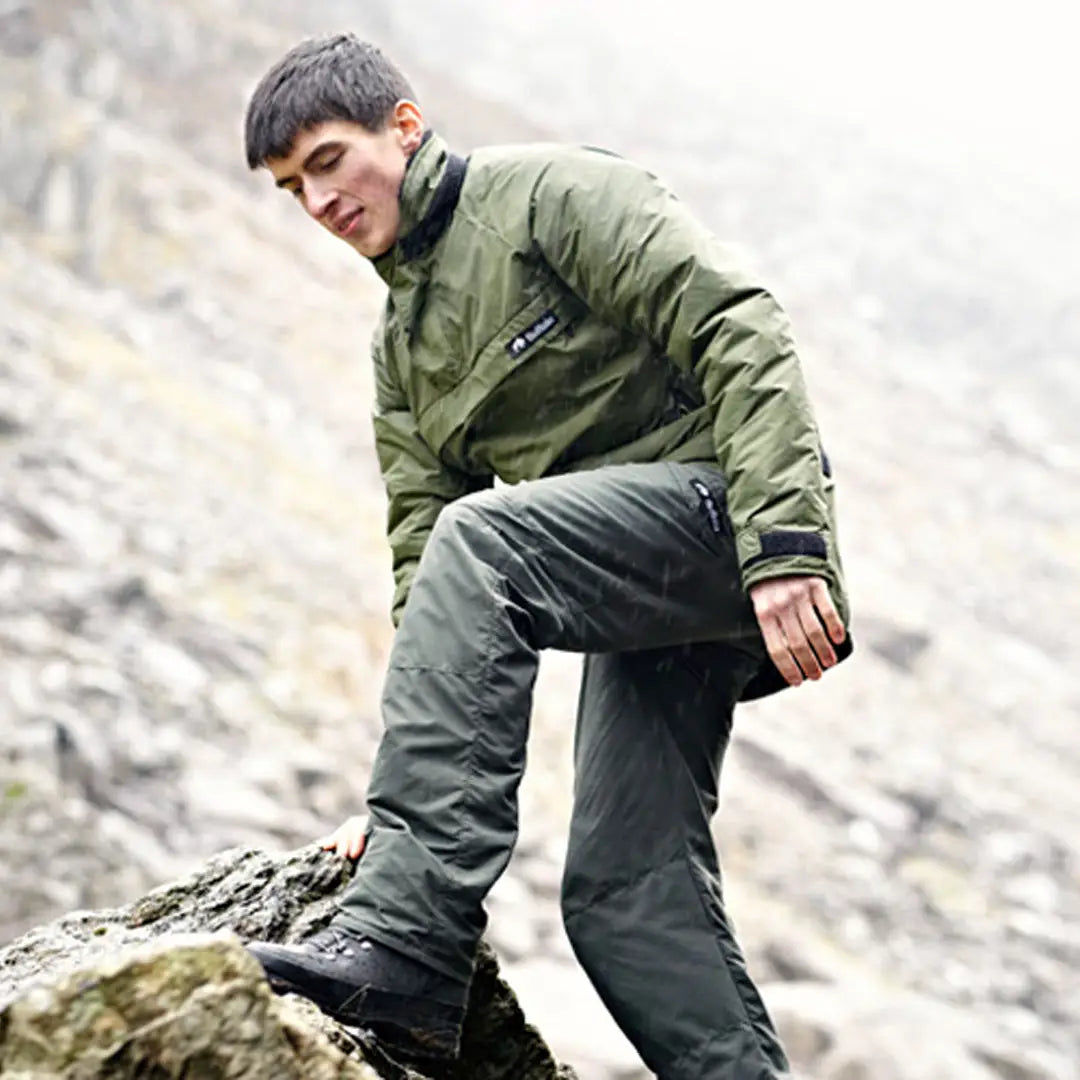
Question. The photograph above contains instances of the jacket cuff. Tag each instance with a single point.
(777, 543)
(402, 586)
(779, 552)
(787, 567)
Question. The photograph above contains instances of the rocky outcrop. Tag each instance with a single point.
(190, 1006)
(193, 576)
(163, 988)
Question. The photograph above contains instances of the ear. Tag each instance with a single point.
(408, 121)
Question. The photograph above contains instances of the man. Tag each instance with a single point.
(555, 318)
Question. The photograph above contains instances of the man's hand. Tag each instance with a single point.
(795, 614)
(347, 839)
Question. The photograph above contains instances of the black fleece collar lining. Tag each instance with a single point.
(423, 237)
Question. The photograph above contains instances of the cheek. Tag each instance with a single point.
(389, 185)
(383, 202)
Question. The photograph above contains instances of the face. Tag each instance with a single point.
(348, 179)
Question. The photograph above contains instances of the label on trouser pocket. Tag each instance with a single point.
(708, 504)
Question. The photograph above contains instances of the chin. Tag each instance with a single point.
(370, 249)
(374, 248)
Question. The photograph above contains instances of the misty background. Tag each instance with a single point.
(194, 584)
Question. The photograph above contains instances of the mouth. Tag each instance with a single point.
(346, 226)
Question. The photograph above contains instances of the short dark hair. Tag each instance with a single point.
(336, 77)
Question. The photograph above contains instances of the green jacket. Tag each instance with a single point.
(553, 309)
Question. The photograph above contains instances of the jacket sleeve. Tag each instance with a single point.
(418, 484)
(636, 256)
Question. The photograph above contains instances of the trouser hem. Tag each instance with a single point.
(746, 993)
(358, 927)
(689, 1065)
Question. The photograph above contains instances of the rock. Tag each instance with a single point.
(897, 645)
(1038, 892)
(542, 875)
(10, 426)
(171, 668)
(59, 207)
(555, 989)
(856, 1031)
(164, 987)
(179, 1006)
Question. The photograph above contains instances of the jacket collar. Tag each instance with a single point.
(429, 193)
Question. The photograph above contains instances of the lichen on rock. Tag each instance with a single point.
(165, 989)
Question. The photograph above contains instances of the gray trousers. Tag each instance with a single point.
(633, 565)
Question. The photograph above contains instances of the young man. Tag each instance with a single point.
(557, 319)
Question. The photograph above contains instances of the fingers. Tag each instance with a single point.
(813, 630)
(347, 839)
(355, 846)
(777, 646)
(798, 643)
(797, 620)
(823, 603)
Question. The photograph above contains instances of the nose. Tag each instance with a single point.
(318, 200)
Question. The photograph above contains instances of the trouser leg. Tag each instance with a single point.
(641, 891)
(615, 559)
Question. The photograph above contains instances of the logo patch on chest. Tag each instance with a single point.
(532, 334)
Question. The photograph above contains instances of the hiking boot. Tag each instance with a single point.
(364, 984)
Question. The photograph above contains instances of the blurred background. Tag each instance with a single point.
(194, 584)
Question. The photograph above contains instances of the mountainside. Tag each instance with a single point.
(194, 582)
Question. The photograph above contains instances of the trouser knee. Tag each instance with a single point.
(468, 526)
(585, 932)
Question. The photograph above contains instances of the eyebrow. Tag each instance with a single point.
(310, 160)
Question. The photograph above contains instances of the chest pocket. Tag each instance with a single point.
(541, 329)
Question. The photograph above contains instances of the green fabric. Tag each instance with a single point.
(624, 564)
(641, 895)
(577, 334)
(663, 348)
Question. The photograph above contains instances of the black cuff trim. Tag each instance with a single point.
(789, 542)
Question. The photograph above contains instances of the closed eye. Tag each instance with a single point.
(322, 160)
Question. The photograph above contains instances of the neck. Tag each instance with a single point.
(426, 201)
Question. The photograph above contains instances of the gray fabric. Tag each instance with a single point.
(631, 565)
(641, 890)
